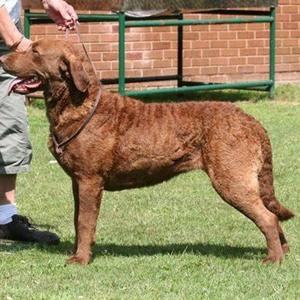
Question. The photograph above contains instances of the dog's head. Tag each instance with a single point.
(46, 63)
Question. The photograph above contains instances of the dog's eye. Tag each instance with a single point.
(34, 50)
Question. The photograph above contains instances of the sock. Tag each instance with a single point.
(6, 213)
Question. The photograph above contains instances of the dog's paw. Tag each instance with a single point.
(273, 259)
(76, 259)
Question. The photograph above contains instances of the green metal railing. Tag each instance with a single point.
(249, 16)
(272, 54)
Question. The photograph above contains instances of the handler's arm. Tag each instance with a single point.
(9, 32)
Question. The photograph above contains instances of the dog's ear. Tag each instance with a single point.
(77, 72)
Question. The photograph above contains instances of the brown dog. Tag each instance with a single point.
(127, 143)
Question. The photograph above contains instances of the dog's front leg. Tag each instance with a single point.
(88, 193)
(76, 209)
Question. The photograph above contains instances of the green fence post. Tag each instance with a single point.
(121, 53)
(272, 54)
(26, 23)
(180, 53)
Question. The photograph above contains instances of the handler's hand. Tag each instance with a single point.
(24, 45)
(61, 13)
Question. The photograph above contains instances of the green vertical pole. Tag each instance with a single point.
(180, 53)
(26, 23)
(121, 53)
(272, 54)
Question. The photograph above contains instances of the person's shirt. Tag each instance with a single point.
(13, 7)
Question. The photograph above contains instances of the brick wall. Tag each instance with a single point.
(216, 53)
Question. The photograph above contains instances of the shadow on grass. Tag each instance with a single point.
(205, 249)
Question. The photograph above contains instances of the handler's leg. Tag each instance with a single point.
(15, 156)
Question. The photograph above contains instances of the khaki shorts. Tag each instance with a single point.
(15, 147)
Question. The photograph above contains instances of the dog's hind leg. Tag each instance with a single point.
(283, 241)
(267, 193)
(241, 191)
(89, 199)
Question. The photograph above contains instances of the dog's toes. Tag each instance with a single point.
(272, 259)
(76, 259)
(285, 248)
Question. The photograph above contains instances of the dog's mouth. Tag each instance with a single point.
(25, 85)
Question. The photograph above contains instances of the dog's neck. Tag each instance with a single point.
(67, 107)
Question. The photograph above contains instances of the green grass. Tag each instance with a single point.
(176, 240)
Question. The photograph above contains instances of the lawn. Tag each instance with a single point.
(176, 240)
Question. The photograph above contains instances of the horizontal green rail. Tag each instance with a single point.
(206, 87)
(148, 23)
(82, 17)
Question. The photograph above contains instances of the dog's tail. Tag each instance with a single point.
(266, 186)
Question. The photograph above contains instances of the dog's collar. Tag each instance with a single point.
(60, 145)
